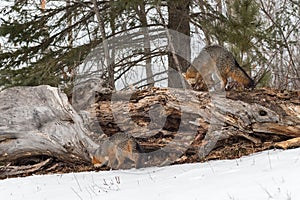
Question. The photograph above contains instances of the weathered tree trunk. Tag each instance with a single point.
(180, 53)
(172, 125)
(39, 121)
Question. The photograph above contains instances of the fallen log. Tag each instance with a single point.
(172, 125)
(184, 119)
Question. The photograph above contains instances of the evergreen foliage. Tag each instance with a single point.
(37, 50)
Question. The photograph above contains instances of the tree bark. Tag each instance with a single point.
(108, 61)
(141, 12)
(179, 23)
(261, 111)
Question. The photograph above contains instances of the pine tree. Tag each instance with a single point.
(179, 22)
(45, 45)
(38, 51)
(243, 30)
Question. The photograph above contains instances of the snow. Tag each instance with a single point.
(272, 175)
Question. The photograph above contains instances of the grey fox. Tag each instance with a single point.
(195, 79)
(114, 151)
(226, 65)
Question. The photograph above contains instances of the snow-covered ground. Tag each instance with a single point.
(268, 175)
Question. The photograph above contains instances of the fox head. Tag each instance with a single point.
(101, 155)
